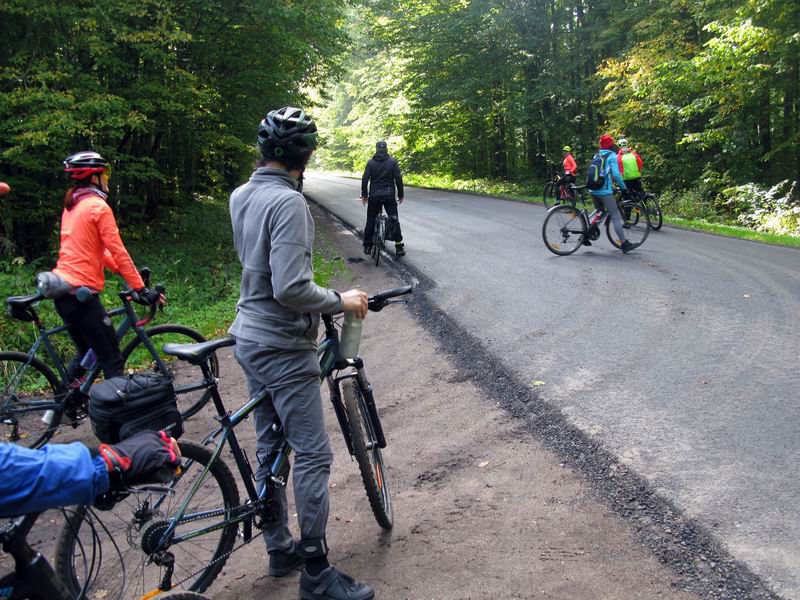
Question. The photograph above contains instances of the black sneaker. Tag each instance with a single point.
(332, 584)
(284, 563)
(399, 250)
(586, 243)
(627, 247)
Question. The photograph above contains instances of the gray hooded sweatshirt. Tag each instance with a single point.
(279, 303)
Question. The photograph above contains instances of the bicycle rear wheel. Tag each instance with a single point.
(31, 397)
(183, 375)
(379, 240)
(635, 221)
(368, 454)
(135, 525)
(563, 230)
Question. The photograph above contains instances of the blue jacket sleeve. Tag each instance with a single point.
(612, 159)
(57, 475)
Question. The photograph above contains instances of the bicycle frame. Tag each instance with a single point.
(329, 362)
(131, 321)
(33, 577)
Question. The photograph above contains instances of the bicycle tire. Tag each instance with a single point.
(557, 229)
(637, 224)
(183, 596)
(549, 195)
(379, 240)
(14, 366)
(654, 211)
(370, 460)
(131, 531)
(189, 403)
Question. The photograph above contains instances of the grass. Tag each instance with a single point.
(734, 231)
(189, 250)
(530, 191)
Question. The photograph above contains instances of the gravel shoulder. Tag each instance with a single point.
(482, 510)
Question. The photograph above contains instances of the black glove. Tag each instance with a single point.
(147, 457)
(149, 296)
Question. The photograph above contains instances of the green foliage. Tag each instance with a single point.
(708, 92)
(170, 92)
(189, 249)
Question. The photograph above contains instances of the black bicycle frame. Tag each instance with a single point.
(329, 362)
(33, 577)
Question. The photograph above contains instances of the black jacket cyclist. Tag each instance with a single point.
(381, 175)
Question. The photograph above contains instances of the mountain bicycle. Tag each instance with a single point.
(379, 237)
(34, 578)
(34, 399)
(182, 540)
(566, 227)
(555, 194)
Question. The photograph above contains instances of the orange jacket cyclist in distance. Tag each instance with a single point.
(90, 241)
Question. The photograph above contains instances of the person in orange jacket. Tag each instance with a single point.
(570, 171)
(90, 241)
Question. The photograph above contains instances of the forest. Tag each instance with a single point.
(467, 93)
(472, 93)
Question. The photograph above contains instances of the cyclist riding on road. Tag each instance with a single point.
(570, 171)
(90, 241)
(276, 324)
(381, 174)
(604, 197)
(630, 165)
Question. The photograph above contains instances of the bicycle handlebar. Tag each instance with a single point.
(380, 300)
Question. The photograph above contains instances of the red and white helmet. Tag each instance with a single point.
(83, 165)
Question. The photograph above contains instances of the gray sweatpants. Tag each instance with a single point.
(292, 380)
(609, 204)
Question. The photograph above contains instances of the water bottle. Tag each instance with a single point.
(351, 336)
(89, 360)
(596, 217)
(47, 418)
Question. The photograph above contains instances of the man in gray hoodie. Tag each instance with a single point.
(278, 314)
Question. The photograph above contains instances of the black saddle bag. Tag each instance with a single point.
(122, 406)
(393, 229)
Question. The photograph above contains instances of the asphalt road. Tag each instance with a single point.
(681, 358)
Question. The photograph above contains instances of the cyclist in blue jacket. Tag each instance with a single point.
(604, 197)
(72, 474)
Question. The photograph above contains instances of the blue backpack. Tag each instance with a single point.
(596, 175)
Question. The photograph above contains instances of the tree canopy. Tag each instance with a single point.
(706, 91)
(169, 90)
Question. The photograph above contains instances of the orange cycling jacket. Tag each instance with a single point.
(570, 166)
(90, 241)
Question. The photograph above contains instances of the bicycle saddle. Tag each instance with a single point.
(19, 307)
(197, 354)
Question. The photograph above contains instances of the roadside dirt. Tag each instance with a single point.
(481, 509)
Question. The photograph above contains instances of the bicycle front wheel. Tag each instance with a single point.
(368, 454)
(549, 195)
(654, 212)
(635, 223)
(135, 525)
(563, 230)
(187, 378)
(31, 397)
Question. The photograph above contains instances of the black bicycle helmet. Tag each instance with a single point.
(82, 165)
(381, 148)
(287, 132)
